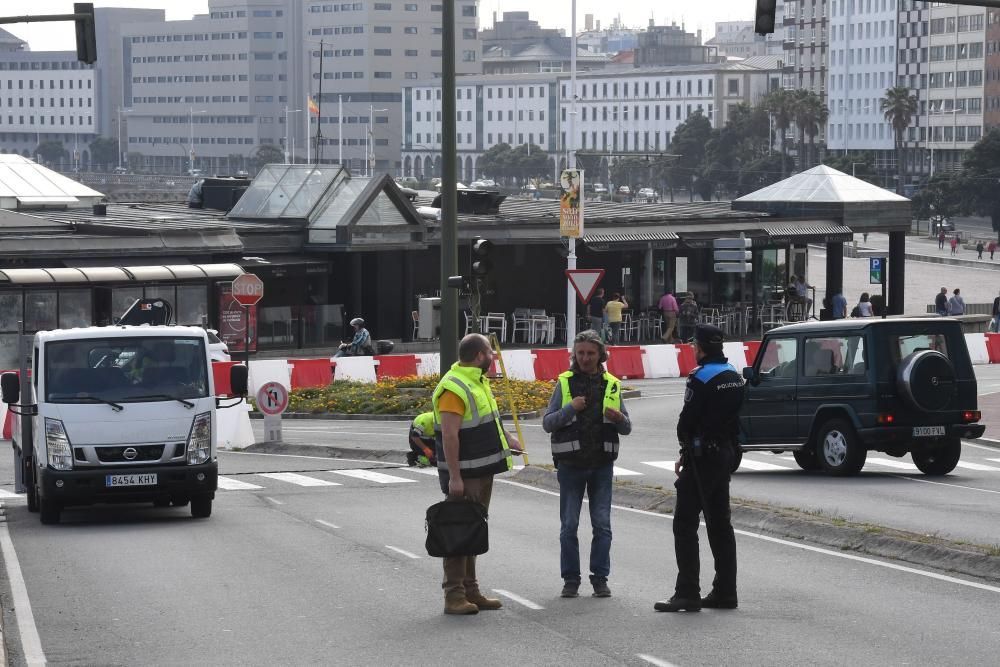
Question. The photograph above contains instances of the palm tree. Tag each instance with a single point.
(899, 106)
(809, 113)
(779, 107)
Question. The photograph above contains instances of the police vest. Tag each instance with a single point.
(424, 423)
(566, 441)
(482, 442)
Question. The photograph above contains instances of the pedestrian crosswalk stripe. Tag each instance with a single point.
(297, 479)
(666, 465)
(976, 466)
(759, 465)
(423, 471)
(624, 472)
(899, 465)
(230, 484)
(372, 476)
(996, 460)
(4, 493)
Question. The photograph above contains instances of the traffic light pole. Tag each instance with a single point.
(86, 41)
(449, 196)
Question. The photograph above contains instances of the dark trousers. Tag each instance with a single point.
(713, 473)
(460, 571)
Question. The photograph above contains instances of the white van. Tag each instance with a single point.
(118, 414)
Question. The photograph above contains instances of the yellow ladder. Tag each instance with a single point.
(495, 344)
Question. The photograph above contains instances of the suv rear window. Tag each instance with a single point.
(835, 355)
(902, 346)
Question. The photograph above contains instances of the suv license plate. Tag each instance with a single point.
(148, 479)
(927, 431)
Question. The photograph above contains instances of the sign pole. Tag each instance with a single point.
(571, 163)
(246, 333)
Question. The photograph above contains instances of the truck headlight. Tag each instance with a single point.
(199, 442)
(57, 445)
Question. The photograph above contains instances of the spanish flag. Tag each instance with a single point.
(313, 109)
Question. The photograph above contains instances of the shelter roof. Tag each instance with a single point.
(822, 184)
(25, 184)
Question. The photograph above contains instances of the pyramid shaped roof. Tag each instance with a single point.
(26, 184)
(822, 184)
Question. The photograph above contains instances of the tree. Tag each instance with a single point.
(268, 154)
(530, 162)
(779, 105)
(898, 107)
(626, 170)
(743, 140)
(859, 165)
(104, 152)
(495, 162)
(51, 151)
(809, 113)
(981, 170)
(944, 196)
(688, 144)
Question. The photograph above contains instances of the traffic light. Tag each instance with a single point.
(480, 263)
(86, 35)
(764, 19)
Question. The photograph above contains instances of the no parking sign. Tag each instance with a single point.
(272, 400)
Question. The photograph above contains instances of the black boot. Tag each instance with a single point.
(715, 600)
(678, 604)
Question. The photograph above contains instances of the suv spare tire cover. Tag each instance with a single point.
(927, 380)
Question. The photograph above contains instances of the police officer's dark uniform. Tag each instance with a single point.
(707, 430)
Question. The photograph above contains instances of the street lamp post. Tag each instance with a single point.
(371, 138)
(287, 135)
(120, 112)
(191, 113)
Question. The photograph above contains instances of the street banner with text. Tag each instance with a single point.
(571, 203)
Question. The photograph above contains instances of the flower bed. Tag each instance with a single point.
(384, 398)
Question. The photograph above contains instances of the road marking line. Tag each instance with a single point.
(653, 660)
(273, 500)
(899, 465)
(798, 545)
(666, 465)
(760, 465)
(956, 486)
(401, 551)
(518, 599)
(372, 476)
(31, 643)
(230, 484)
(387, 464)
(976, 466)
(624, 472)
(997, 460)
(328, 524)
(966, 443)
(297, 479)
(423, 471)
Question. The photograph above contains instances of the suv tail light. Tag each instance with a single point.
(972, 415)
(885, 419)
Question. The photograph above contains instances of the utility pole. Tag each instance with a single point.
(449, 194)
(319, 108)
(570, 145)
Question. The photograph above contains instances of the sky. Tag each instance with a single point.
(553, 14)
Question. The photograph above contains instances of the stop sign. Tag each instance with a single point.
(248, 289)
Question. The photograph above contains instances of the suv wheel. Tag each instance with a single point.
(806, 458)
(839, 451)
(939, 460)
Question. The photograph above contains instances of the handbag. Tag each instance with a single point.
(457, 528)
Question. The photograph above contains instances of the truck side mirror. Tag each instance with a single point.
(750, 374)
(10, 387)
(237, 379)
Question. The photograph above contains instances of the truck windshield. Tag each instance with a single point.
(123, 370)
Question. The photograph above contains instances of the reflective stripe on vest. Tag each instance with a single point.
(612, 399)
(483, 448)
(424, 422)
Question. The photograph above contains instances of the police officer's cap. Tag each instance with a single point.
(709, 335)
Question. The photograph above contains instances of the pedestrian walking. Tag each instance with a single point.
(706, 430)
(838, 305)
(668, 306)
(979, 249)
(613, 310)
(864, 307)
(941, 302)
(995, 324)
(956, 304)
(687, 318)
(596, 312)
(992, 247)
(954, 245)
(470, 451)
(586, 416)
(941, 240)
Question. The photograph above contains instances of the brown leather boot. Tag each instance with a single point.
(484, 603)
(456, 603)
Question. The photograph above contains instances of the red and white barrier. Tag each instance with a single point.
(978, 351)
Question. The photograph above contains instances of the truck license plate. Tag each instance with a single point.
(147, 479)
(927, 431)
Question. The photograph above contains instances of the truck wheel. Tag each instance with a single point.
(939, 460)
(48, 511)
(32, 499)
(840, 452)
(806, 458)
(201, 507)
(737, 458)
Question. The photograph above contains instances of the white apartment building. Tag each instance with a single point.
(47, 96)
(862, 67)
(806, 35)
(516, 109)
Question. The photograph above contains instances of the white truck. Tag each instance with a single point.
(118, 414)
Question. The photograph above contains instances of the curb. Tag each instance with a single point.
(534, 414)
(793, 524)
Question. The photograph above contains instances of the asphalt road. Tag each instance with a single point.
(889, 491)
(287, 574)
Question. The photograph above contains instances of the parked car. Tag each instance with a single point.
(217, 350)
(242, 173)
(940, 224)
(624, 190)
(600, 189)
(121, 170)
(830, 392)
(648, 194)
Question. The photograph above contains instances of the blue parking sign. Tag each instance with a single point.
(876, 270)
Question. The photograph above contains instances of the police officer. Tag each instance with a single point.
(706, 430)
(422, 441)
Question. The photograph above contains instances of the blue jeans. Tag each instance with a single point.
(596, 482)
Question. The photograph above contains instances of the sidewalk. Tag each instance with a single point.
(923, 249)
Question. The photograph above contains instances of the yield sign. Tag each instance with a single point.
(585, 281)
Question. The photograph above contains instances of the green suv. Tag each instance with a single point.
(830, 392)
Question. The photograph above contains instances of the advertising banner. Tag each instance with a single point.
(571, 203)
(232, 321)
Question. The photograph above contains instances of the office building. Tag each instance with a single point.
(737, 39)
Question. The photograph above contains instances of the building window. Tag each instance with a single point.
(469, 10)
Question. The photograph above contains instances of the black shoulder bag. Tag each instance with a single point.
(457, 528)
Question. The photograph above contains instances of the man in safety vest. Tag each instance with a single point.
(585, 417)
(422, 441)
(471, 446)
